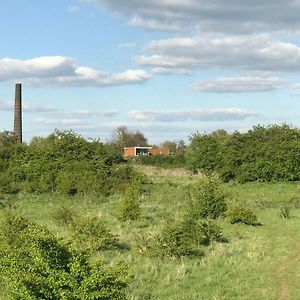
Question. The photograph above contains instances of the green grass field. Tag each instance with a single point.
(261, 262)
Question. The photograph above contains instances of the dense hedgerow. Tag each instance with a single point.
(35, 265)
(64, 163)
(269, 153)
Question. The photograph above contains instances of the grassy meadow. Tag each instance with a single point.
(254, 262)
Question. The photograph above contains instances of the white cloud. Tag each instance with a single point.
(218, 16)
(242, 84)
(29, 107)
(60, 70)
(226, 114)
(255, 52)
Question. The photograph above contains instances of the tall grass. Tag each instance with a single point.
(246, 267)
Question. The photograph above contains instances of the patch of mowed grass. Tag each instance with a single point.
(244, 268)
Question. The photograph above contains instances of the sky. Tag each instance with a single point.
(168, 68)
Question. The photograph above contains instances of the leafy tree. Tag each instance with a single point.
(122, 137)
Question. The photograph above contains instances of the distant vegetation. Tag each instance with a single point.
(63, 162)
(269, 153)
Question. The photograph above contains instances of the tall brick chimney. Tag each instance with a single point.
(18, 113)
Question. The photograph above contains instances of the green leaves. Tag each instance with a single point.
(269, 153)
(35, 265)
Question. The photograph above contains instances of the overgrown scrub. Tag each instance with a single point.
(65, 163)
(86, 232)
(270, 153)
(207, 199)
(186, 237)
(36, 265)
(92, 234)
(238, 213)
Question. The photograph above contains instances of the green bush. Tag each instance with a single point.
(270, 153)
(180, 238)
(186, 238)
(238, 213)
(64, 215)
(92, 234)
(130, 204)
(35, 265)
(208, 200)
(63, 162)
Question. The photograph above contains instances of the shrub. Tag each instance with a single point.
(285, 209)
(211, 231)
(270, 153)
(241, 214)
(186, 237)
(180, 239)
(208, 200)
(130, 205)
(64, 215)
(92, 234)
(35, 265)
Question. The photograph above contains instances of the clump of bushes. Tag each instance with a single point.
(208, 200)
(93, 235)
(238, 213)
(89, 233)
(186, 238)
(36, 265)
(64, 162)
(264, 153)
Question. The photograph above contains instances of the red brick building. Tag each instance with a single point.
(137, 151)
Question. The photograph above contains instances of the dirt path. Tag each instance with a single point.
(284, 267)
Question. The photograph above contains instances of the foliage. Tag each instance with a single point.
(186, 237)
(165, 161)
(63, 162)
(122, 137)
(130, 205)
(89, 233)
(286, 207)
(35, 265)
(208, 199)
(270, 153)
(238, 213)
(175, 147)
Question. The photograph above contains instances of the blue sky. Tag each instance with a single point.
(168, 68)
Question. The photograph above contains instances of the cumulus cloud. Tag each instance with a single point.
(242, 84)
(29, 107)
(226, 114)
(60, 70)
(255, 52)
(219, 16)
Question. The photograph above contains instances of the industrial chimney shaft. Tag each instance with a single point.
(18, 113)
